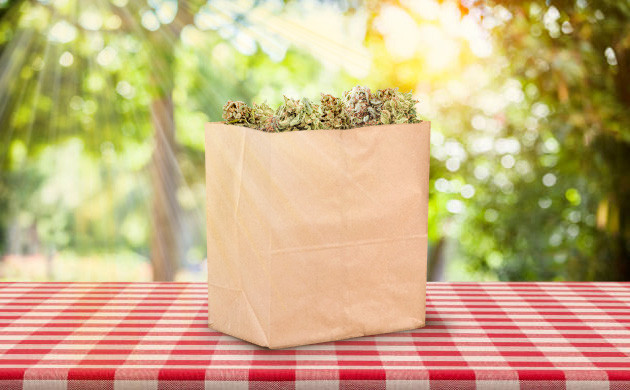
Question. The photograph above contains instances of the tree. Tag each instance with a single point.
(572, 58)
(88, 23)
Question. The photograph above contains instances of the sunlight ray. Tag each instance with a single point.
(302, 36)
(12, 72)
(38, 89)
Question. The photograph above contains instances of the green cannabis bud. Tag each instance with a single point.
(261, 114)
(395, 107)
(359, 102)
(333, 113)
(357, 107)
(237, 113)
(297, 115)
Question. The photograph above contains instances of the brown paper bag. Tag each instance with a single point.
(316, 236)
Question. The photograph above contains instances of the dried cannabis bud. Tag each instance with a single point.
(261, 115)
(297, 115)
(359, 102)
(358, 107)
(333, 113)
(237, 113)
(395, 107)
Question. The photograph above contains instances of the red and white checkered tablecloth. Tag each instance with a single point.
(155, 336)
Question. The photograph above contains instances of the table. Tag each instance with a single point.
(154, 336)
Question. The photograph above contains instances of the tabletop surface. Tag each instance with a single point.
(155, 336)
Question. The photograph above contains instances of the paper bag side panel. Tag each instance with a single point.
(424, 162)
(238, 302)
(388, 183)
(354, 261)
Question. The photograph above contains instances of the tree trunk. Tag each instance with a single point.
(165, 209)
(165, 238)
(435, 262)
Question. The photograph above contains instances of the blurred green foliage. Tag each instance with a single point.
(528, 102)
(537, 138)
(77, 139)
(572, 220)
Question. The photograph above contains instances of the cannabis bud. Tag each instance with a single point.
(359, 101)
(395, 107)
(358, 107)
(333, 113)
(261, 115)
(236, 113)
(297, 115)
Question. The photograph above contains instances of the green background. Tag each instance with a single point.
(102, 106)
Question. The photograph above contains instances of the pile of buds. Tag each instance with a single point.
(358, 107)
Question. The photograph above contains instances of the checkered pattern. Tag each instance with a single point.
(155, 336)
